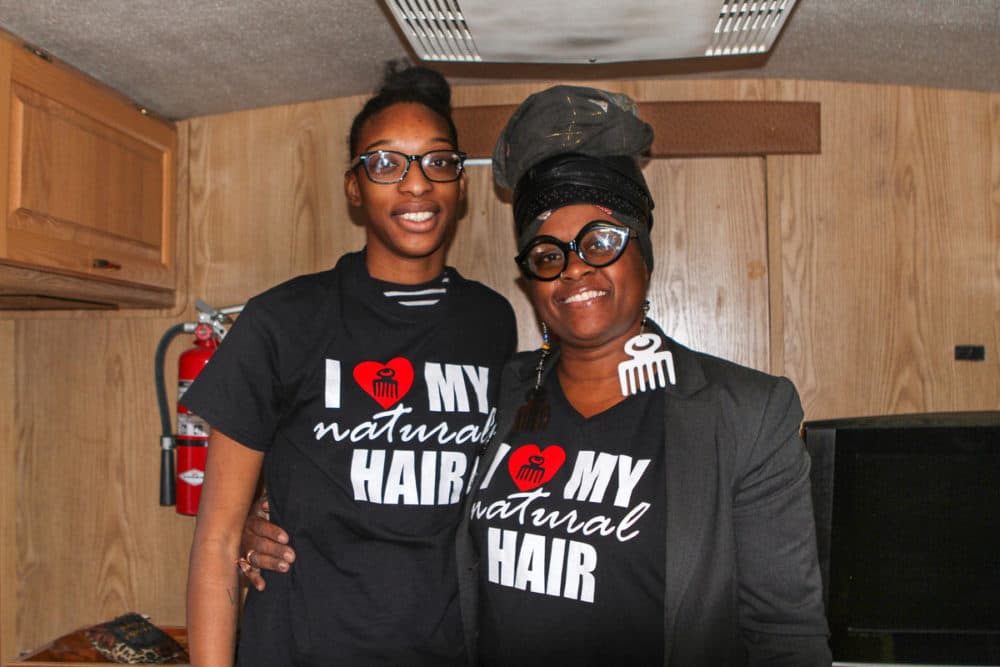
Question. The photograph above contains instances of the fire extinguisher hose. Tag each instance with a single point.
(168, 495)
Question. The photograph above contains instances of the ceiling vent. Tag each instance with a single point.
(587, 31)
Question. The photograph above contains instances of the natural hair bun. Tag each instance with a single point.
(416, 81)
(403, 84)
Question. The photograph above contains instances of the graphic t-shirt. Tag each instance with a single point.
(371, 412)
(569, 524)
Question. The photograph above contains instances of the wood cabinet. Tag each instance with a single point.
(87, 191)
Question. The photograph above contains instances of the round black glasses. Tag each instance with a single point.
(387, 167)
(598, 244)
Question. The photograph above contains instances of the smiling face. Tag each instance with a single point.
(586, 307)
(407, 223)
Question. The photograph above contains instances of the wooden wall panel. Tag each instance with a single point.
(8, 495)
(484, 248)
(92, 540)
(993, 238)
(709, 287)
(8, 400)
(890, 247)
(267, 197)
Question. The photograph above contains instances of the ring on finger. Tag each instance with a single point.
(249, 558)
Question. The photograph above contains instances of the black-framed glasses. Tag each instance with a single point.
(600, 243)
(387, 167)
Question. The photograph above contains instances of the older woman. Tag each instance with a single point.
(642, 503)
(647, 504)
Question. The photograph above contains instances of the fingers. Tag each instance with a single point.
(269, 545)
(261, 527)
(251, 572)
(265, 545)
(255, 578)
(273, 562)
(261, 509)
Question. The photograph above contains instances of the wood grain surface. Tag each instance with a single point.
(891, 251)
(90, 179)
(10, 513)
(92, 541)
(683, 129)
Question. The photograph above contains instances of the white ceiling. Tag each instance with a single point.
(186, 58)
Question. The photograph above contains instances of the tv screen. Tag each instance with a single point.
(908, 529)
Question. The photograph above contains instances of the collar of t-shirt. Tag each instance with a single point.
(417, 296)
(402, 298)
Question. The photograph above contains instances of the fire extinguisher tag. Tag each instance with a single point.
(190, 425)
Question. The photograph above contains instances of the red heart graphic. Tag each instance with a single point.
(530, 467)
(386, 383)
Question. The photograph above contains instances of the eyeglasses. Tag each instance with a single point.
(387, 167)
(598, 244)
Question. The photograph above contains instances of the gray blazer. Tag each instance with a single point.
(742, 584)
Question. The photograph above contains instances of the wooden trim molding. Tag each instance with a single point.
(684, 129)
(26, 288)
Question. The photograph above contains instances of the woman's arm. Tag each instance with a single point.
(781, 596)
(213, 594)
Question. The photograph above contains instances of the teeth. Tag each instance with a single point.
(418, 216)
(585, 296)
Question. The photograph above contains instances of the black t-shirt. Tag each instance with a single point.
(569, 524)
(371, 410)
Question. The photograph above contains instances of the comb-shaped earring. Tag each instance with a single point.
(648, 368)
(533, 415)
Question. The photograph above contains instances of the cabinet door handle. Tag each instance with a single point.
(106, 264)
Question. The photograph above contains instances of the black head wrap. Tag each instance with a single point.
(575, 145)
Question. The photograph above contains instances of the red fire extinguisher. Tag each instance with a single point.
(192, 430)
(183, 489)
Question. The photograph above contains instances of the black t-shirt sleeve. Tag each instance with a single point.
(509, 324)
(238, 390)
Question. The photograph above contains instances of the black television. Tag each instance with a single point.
(908, 532)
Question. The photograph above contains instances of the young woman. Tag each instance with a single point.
(643, 504)
(364, 394)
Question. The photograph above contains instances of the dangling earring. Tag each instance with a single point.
(534, 414)
(648, 369)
